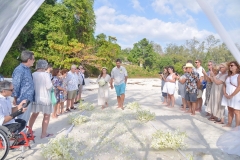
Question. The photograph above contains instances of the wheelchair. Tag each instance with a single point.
(10, 141)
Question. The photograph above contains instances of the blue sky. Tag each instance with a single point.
(163, 21)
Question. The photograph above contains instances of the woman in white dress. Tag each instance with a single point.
(170, 85)
(103, 90)
(231, 93)
(42, 102)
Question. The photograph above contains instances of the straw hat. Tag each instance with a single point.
(189, 65)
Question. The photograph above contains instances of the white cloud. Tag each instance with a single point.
(136, 5)
(179, 7)
(131, 29)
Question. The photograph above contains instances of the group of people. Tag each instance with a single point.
(47, 89)
(222, 84)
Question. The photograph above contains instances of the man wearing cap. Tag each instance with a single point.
(119, 77)
(192, 85)
(199, 70)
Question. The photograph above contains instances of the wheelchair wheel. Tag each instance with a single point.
(4, 145)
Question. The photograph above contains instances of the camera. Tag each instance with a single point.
(160, 73)
(176, 73)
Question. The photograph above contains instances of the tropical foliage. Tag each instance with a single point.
(62, 32)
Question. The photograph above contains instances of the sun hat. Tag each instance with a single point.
(189, 65)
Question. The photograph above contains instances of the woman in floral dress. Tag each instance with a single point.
(57, 84)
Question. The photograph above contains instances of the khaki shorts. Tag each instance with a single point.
(199, 95)
(71, 94)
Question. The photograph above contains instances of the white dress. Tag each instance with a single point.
(103, 91)
(230, 88)
(42, 86)
(169, 87)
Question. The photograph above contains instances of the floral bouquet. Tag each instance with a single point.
(60, 148)
(133, 106)
(145, 116)
(77, 119)
(86, 106)
(101, 82)
(166, 140)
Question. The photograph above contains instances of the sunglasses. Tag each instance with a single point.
(232, 65)
(209, 65)
(11, 90)
(196, 62)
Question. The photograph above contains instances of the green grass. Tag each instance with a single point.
(139, 72)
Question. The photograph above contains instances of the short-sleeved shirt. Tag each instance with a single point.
(119, 74)
(72, 81)
(5, 109)
(191, 82)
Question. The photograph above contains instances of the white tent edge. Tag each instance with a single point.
(24, 16)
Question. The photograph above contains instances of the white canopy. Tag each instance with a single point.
(14, 16)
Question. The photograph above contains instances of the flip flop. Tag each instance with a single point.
(73, 108)
(48, 135)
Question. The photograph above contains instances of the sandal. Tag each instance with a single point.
(67, 110)
(73, 108)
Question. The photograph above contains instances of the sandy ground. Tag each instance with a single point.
(115, 134)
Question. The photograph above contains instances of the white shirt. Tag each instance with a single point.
(119, 74)
(199, 71)
(72, 81)
(5, 109)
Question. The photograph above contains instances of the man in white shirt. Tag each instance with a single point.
(72, 87)
(7, 112)
(119, 77)
(199, 70)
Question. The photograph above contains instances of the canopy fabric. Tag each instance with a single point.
(219, 27)
(14, 16)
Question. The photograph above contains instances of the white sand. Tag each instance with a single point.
(115, 134)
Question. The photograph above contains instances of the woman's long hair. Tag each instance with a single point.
(238, 67)
(101, 74)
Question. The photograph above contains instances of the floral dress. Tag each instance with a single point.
(57, 82)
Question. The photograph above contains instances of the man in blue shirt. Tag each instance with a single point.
(23, 83)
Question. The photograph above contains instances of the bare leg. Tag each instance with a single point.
(45, 123)
(237, 117)
(33, 119)
(230, 117)
(61, 107)
(119, 101)
(54, 114)
(190, 107)
(71, 103)
(173, 100)
(184, 104)
(193, 107)
(122, 100)
(164, 100)
(68, 104)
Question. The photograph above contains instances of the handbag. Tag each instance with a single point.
(53, 97)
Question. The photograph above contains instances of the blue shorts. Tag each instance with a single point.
(120, 89)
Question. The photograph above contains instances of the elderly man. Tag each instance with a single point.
(119, 77)
(7, 112)
(72, 87)
(23, 83)
(192, 85)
